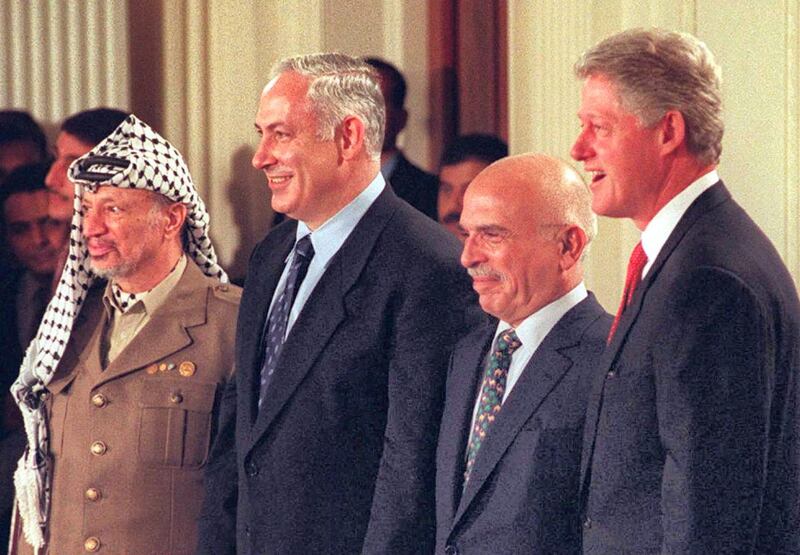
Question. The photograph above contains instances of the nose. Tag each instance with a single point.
(51, 179)
(38, 235)
(92, 224)
(581, 149)
(471, 255)
(263, 157)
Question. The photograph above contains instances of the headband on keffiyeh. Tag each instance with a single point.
(133, 156)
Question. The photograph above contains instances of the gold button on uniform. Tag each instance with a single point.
(91, 544)
(99, 400)
(92, 494)
(98, 448)
(176, 397)
(162, 367)
(187, 369)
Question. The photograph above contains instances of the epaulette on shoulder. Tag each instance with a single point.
(227, 292)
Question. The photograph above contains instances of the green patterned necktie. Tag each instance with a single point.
(491, 399)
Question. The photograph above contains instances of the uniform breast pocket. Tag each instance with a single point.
(175, 422)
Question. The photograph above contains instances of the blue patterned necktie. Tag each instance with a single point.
(275, 330)
(491, 396)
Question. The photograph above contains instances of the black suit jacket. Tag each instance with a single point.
(415, 186)
(522, 496)
(692, 441)
(341, 457)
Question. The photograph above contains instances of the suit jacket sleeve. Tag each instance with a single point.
(713, 375)
(217, 521)
(427, 325)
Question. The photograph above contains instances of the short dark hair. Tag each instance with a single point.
(92, 126)
(397, 83)
(19, 126)
(480, 146)
(24, 179)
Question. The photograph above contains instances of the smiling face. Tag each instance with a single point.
(512, 259)
(68, 149)
(621, 154)
(125, 230)
(300, 168)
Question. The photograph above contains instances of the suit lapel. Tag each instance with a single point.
(166, 331)
(324, 310)
(466, 375)
(543, 372)
(710, 198)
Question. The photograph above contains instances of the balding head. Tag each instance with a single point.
(527, 221)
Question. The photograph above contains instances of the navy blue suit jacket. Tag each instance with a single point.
(692, 441)
(340, 459)
(418, 188)
(522, 496)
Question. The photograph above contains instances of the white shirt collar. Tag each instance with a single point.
(663, 223)
(533, 329)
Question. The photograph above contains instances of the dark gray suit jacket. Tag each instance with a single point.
(522, 496)
(692, 441)
(418, 188)
(340, 459)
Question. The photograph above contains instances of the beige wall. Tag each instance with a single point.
(198, 67)
(755, 42)
(217, 60)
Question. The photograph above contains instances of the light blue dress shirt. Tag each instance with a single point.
(327, 239)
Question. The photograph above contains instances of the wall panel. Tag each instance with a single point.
(60, 57)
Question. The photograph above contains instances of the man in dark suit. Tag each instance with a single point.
(412, 184)
(692, 440)
(510, 442)
(349, 313)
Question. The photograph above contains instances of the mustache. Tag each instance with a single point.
(484, 270)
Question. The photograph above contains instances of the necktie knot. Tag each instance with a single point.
(304, 247)
(508, 342)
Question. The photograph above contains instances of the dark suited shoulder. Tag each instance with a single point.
(417, 187)
(705, 393)
(525, 478)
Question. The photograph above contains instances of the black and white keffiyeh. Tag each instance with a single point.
(133, 156)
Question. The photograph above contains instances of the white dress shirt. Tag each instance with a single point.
(531, 332)
(663, 223)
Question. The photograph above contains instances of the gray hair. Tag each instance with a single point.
(655, 71)
(341, 86)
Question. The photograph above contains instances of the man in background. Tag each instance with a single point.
(509, 451)
(691, 442)
(79, 134)
(22, 141)
(410, 183)
(462, 160)
(34, 241)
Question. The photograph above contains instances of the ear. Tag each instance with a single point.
(176, 215)
(402, 119)
(673, 131)
(571, 241)
(351, 142)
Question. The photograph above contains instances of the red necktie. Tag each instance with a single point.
(635, 266)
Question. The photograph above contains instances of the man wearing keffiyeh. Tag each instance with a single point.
(118, 387)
